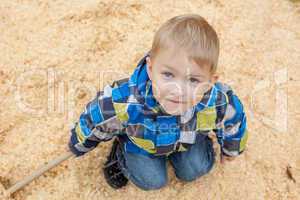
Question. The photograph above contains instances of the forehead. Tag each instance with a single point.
(178, 60)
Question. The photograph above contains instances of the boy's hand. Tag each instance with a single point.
(224, 158)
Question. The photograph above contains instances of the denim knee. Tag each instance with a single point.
(189, 166)
(149, 184)
(146, 173)
(191, 176)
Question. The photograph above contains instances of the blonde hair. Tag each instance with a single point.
(193, 34)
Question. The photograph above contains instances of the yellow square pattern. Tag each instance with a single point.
(206, 119)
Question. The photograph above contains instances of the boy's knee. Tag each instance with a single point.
(192, 176)
(189, 176)
(151, 184)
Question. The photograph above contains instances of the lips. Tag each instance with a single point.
(176, 101)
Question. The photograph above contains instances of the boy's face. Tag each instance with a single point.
(178, 83)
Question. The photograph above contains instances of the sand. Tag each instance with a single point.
(53, 55)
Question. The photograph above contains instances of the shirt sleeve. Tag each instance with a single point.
(98, 122)
(235, 133)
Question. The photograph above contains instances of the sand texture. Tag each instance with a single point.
(52, 58)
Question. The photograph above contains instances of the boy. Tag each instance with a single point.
(165, 111)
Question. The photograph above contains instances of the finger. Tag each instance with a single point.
(212, 136)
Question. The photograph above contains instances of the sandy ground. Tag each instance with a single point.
(52, 58)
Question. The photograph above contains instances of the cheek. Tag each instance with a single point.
(159, 90)
(192, 97)
(160, 87)
(195, 94)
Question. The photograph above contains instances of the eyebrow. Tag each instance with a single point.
(192, 75)
(167, 66)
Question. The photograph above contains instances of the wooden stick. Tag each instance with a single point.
(39, 172)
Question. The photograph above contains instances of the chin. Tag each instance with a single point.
(174, 113)
(174, 110)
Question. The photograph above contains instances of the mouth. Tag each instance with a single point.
(176, 101)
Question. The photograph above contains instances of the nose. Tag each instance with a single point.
(176, 87)
(177, 91)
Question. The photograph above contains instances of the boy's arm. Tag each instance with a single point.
(234, 134)
(97, 123)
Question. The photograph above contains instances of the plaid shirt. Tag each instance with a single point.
(127, 107)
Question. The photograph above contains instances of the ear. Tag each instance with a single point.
(214, 78)
(149, 67)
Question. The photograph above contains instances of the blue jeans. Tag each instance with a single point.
(149, 173)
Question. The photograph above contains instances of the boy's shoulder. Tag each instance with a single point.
(226, 90)
(120, 90)
(221, 94)
(233, 107)
(223, 87)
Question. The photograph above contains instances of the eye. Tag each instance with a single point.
(194, 80)
(167, 74)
